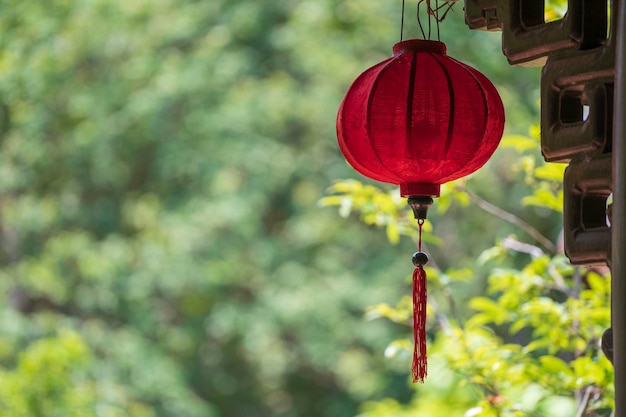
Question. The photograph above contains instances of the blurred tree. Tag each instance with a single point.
(160, 166)
(44, 381)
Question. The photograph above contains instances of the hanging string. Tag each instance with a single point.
(420, 224)
(428, 12)
(419, 21)
(402, 22)
(437, 19)
(435, 13)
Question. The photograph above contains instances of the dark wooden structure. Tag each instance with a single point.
(583, 124)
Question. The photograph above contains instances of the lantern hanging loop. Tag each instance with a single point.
(438, 12)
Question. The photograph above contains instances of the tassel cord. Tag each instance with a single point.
(419, 369)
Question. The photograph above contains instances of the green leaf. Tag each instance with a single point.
(519, 143)
(518, 325)
(488, 306)
(393, 233)
(464, 274)
(534, 131)
(546, 199)
(597, 283)
(556, 365)
(535, 345)
(588, 371)
(478, 319)
(386, 311)
(397, 348)
(551, 172)
(331, 200)
(346, 187)
(490, 254)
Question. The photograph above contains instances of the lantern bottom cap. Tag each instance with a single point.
(408, 189)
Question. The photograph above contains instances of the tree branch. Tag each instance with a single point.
(511, 218)
(584, 403)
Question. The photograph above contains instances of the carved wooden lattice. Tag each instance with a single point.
(578, 83)
(578, 57)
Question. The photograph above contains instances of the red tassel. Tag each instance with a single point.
(420, 363)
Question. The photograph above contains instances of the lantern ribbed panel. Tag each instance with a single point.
(419, 119)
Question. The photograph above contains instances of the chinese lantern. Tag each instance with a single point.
(419, 119)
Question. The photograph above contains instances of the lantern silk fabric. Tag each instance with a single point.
(419, 119)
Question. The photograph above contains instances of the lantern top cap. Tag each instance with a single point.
(419, 45)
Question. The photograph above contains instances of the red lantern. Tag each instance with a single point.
(419, 119)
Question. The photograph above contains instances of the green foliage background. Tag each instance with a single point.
(162, 248)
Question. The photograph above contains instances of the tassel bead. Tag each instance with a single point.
(420, 259)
